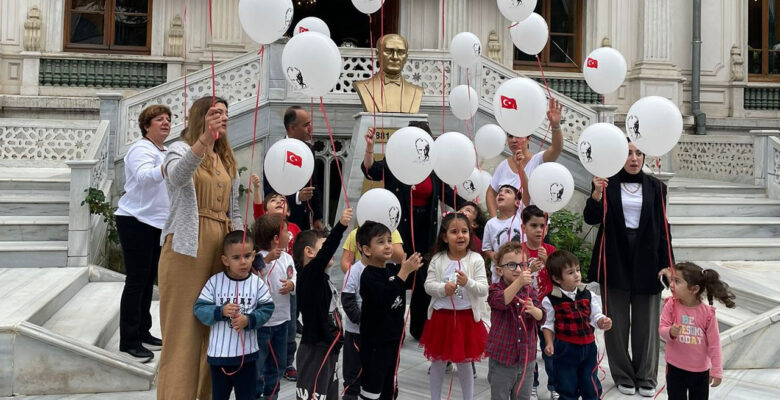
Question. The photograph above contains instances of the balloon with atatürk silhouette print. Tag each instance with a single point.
(654, 124)
(379, 205)
(516, 10)
(265, 21)
(551, 186)
(602, 148)
(409, 155)
(312, 63)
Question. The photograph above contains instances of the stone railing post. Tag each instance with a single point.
(606, 113)
(109, 111)
(31, 68)
(763, 156)
(78, 216)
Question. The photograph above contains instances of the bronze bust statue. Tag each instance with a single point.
(398, 95)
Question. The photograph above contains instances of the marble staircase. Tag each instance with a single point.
(34, 217)
(59, 326)
(720, 221)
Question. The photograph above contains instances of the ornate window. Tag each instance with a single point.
(326, 174)
(108, 26)
(763, 40)
(563, 51)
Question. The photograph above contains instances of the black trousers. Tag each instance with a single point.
(243, 381)
(378, 360)
(313, 373)
(686, 385)
(351, 366)
(418, 304)
(141, 253)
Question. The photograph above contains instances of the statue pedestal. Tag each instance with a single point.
(386, 124)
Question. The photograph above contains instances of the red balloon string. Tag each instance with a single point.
(414, 284)
(443, 74)
(333, 147)
(214, 133)
(184, 47)
(602, 246)
(240, 334)
(327, 354)
(668, 240)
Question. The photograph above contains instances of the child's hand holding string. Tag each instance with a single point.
(239, 322)
(229, 310)
(674, 331)
(346, 216)
(450, 287)
(462, 279)
(532, 310)
(413, 263)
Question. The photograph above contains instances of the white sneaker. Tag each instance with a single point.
(627, 390)
(534, 396)
(646, 391)
(554, 395)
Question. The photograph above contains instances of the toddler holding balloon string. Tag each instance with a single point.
(458, 286)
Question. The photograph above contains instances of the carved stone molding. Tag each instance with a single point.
(32, 30)
(737, 65)
(494, 47)
(175, 44)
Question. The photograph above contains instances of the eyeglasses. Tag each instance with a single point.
(514, 265)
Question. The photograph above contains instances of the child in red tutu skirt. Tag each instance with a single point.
(458, 287)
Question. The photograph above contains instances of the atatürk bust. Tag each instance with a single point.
(388, 91)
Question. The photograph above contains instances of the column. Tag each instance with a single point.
(455, 20)
(227, 34)
(654, 73)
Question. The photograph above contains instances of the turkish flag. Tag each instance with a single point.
(302, 29)
(294, 159)
(592, 63)
(508, 102)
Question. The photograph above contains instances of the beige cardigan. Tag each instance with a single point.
(476, 287)
(180, 165)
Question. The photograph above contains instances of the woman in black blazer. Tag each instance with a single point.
(636, 253)
(426, 216)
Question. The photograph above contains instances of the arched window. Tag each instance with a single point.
(763, 40)
(108, 26)
(563, 51)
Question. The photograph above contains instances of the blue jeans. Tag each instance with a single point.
(574, 367)
(268, 369)
(292, 325)
(548, 366)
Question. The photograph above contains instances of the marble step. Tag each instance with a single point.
(35, 178)
(91, 316)
(730, 317)
(113, 343)
(725, 227)
(717, 188)
(726, 249)
(684, 206)
(35, 294)
(33, 254)
(36, 228)
(20, 204)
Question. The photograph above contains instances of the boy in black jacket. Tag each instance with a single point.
(382, 312)
(318, 303)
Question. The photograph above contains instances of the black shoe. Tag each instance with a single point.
(152, 343)
(474, 369)
(139, 354)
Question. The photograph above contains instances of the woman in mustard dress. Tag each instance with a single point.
(202, 180)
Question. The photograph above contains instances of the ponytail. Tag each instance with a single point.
(708, 280)
(716, 288)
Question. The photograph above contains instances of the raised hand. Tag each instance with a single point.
(554, 113)
(346, 216)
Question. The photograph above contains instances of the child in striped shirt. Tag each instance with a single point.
(234, 303)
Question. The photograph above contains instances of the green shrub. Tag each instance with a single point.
(566, 229)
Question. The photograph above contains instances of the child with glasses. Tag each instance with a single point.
(515, 316)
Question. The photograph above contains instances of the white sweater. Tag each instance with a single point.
(476, 286)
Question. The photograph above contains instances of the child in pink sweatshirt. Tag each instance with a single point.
(690, 330)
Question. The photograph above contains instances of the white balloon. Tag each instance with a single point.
(603, 149)
(368, 6)
(551, 186)
(288, 166)
(519, 106)
(530, 35)
(490, 141)
(654, 125)
(265, 21)
(465, 49)
(379, 205)
(311, 24)
(454, 157)
(464, 102)
(485, 177)
(604, 70)
(473, 187)
(312, 63)
(516, 10)
(409, 155)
